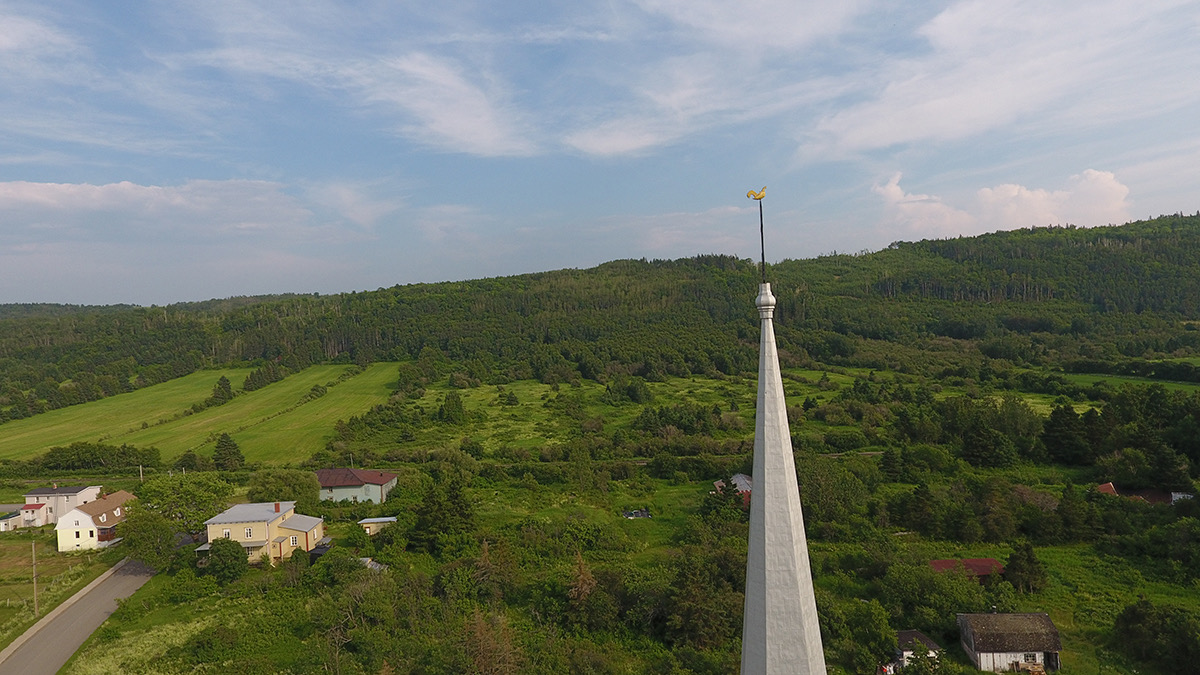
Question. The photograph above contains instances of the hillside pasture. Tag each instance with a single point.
(276, 424)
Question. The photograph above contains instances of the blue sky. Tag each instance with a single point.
(164, 152)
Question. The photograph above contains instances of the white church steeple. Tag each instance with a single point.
(780, 633)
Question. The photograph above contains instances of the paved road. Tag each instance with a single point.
(50, 647)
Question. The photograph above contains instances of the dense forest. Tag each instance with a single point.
(947, 398)
(1106, 299)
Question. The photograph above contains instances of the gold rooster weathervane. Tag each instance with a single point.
(758, 197)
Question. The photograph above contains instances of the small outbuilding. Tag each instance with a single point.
(908, 644)
(1001, 643)
(374, 525)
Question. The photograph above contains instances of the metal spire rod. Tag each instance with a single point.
(762, 240)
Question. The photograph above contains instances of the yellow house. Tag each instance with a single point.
(273, 528)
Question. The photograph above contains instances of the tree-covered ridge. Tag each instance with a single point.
(1041, 296)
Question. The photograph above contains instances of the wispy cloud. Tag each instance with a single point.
(991, 66)
(197, 210)
(756, 25)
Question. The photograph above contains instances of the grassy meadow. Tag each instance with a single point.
(275, 424)
(281, 424)
(59, 577)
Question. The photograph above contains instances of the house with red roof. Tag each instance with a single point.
(356, 485)
(1152, 496)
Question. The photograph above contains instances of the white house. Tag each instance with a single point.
(10, 521)
(58, 500)
(1010, 642)
(356, 485)
(33, 515)
(94, 524)
(908, 643)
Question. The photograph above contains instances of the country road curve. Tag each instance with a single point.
(47, 649)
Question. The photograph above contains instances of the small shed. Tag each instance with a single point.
(909, 643)
(374, 525)
(1010, 642)
(10, 521)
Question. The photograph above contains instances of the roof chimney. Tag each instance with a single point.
(276, 507)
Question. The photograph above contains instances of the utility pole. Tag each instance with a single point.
(33, 548)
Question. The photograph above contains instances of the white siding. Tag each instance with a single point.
(999, 662)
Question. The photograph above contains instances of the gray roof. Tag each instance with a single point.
(385, 519)
(262, 512)
(66, 490)
(301, 523)
(1011, 632)
(904, 638)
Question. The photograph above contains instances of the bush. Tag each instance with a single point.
(226, 561)
(185, 586)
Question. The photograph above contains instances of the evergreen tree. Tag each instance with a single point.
(987, 447)
(1064, 438)
(1075, 514)
(222, 392)
(1024, 571)
(190, 461)
(451, 411)
(227, 456)
(892, 464)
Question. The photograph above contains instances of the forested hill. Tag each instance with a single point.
(1044, 296)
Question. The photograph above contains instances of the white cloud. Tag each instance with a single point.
(449, 109)
(756, 24)
(920, 216)
(357, 203)
(125, 210)
(1047, 65)
(1092, 198)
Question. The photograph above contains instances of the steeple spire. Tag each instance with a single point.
(780, 633)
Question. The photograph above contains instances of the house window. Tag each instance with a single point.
(76, 534)
(1031, 658)
(117, 512)
(91, 534)
(226, 534)
(249, 532)
(104, 517)
(295, 540)
(77, 523)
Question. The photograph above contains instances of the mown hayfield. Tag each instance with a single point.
(275, 424)
(108, 419)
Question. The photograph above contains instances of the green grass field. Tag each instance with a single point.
(276, 425)
(59, 577)
(271, 424)
(1117, 380)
